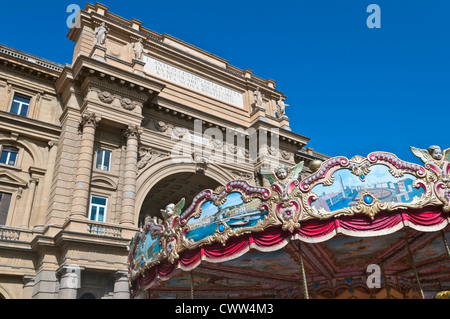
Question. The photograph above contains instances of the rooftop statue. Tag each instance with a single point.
(138, 49)
(100, 34)
(281, 108)
(258, 98)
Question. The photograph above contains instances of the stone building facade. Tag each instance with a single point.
(89, 150)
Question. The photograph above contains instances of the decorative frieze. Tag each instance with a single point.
(127, 104)
(201, 162)
(106, 97)
(243, 176)
(149, 155)
(180, 132)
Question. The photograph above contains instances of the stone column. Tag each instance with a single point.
(80, 203)
(28, 285)
(45, 285)
(131, 135)
(121, 286)
(69, 282)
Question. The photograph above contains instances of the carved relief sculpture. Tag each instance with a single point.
(127, 104)
(147, 156)
(106, 97)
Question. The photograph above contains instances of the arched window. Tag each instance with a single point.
(87, 296)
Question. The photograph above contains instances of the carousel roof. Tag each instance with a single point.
(366, 227)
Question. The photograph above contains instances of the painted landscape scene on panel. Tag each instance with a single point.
(347, 189)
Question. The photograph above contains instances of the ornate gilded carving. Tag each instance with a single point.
(290, 201)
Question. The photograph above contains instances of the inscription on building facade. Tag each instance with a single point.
(192, 81)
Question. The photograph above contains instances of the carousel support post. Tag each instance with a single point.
(192, 285)
(333, 293)
(388, 289)
(444, 239)
(302, 266)
(314, 288)
(300, 292)
(415, 270)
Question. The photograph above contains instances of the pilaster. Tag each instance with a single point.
(121, 285)
(80, 203)
(131, 135)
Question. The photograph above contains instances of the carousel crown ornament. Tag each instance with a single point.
(342, 196)
(432, 154)
(173, 210)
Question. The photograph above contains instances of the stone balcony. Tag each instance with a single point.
(81, 227)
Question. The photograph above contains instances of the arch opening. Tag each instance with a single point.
(171, 189)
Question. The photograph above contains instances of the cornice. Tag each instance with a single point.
(85, 66)
(25, 70)
(29, 127)
(176, 109)
(32, 60)
(122, 27)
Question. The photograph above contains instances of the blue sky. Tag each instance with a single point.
(351, 89)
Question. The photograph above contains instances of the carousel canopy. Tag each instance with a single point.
(365, 227)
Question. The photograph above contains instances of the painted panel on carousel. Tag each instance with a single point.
(379, 182)
(147, 250)
(234, 213)
(348, 190)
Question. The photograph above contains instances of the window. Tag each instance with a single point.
(20, 105)
(5, 200)
(103, 160)
(98, 208)
(9, 155)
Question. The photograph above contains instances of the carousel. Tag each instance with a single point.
(372, 227)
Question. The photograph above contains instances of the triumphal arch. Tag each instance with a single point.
(95, 148)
